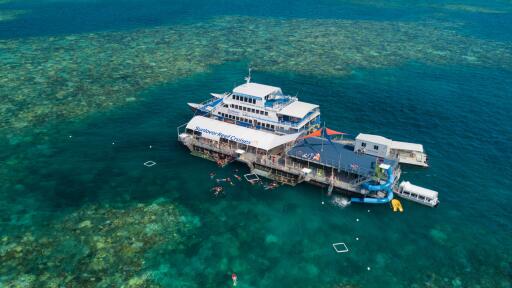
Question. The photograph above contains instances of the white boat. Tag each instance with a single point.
(261, 106)
(417, 194)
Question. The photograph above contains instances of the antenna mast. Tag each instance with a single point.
(248, 78)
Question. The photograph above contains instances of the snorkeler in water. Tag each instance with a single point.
(234, 278)
(217, 190)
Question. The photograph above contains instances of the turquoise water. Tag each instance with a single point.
(81, 115)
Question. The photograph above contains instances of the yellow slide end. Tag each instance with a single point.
(396, 205)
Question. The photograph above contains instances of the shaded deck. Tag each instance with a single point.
(336, 155)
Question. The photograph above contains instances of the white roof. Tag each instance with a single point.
(408, 186)
(255, 89)
(215, 129)
(374, 139)
(384, 166)
(406, 146)
(297, 109)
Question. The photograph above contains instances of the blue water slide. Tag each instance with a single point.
(387, 186)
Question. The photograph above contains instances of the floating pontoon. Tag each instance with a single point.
(405, 152)
(277, 137)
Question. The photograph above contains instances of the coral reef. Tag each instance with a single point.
(472, 9)
(64, 77)
(8, 15)
(96, 246)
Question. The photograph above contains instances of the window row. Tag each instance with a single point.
(266, 125)
(242, 119)
(375, 147)
(244, 99)
(247, 109)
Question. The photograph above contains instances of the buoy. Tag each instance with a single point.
(368, 268)
(113, 143)
(323, 203)
(357, 219)
(357, 238)
(150, 146)
(70, 136)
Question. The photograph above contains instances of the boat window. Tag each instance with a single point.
(252, 110)
(244, 108)
(272, 126)
(363, 144)
(407, 193)
(233, 96)
(266, 113)
(422, 198)
(375, 147)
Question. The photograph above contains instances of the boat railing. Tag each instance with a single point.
(181, 128)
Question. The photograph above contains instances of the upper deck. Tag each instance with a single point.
(261, 106)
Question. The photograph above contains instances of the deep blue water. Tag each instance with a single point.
(280, 238)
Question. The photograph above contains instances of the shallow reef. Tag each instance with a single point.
(472, 9)
(461, 6)
(95, 246)
(64, 77)
(8, 15)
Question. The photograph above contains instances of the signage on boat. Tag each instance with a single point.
(222, 135)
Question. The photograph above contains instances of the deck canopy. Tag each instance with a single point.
(397, 145)
(323, 132)
(298, 109)
(374, 139)
(336, 155)
(256, 90)
(215, 130)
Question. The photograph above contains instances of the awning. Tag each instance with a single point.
(256, 90)
(323, 132)
(297, 109)
(215, 130)
(397, 145)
